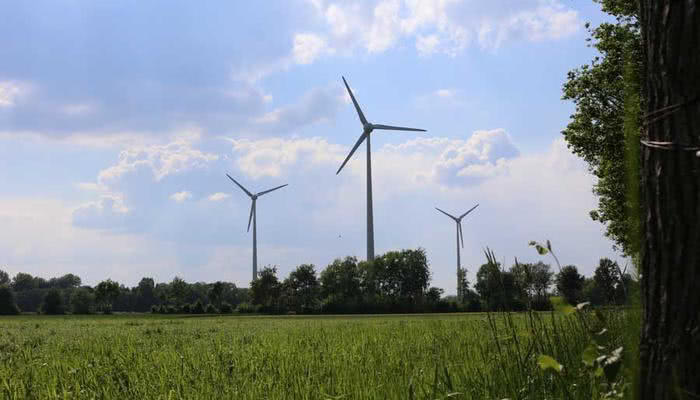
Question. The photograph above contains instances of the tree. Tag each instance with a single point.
(82, 301)
(401, 276)
(434, 294)
(670, 354)
(106, 293)
(608, 280)
(216, 293)
(266, 289)
(22, 281)
(570, 284)
(8, 305)
(145, 294)
(604, 129)
(4, 278)
(179, 289)
(303, 287)
(67, 281)
(497, 288)
(340, 282)
(53, 303)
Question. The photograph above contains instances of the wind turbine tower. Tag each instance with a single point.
(367, 129)
(252, 218)
(460, 239)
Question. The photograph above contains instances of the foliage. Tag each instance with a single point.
(4, 278)
(106, 292)
(246, 308)
(53, 303)
(302, 289)
(186, 308)
(604, 129)
(8, 305)
(226, 308)
(266, 289)
(570, 284)
(197, 308)
(82, 301)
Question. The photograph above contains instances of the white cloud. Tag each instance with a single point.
(317, 105)
(218, 196)
(179, 197)
(78, 109)
(445, 93)
(307, 47)
(271, 157)
(174, 157)
(438, 26)
(11, 91)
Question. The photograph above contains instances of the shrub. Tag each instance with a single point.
(198, 308)
(226, 308)
(53, 303)
(8, 305)
(186, 309)
(211, 309)
(171, 309)
(246, 308)
(82, 301)
(155, 309)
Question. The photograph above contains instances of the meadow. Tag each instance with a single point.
(306, 357)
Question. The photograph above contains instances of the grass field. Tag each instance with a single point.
(256, 357)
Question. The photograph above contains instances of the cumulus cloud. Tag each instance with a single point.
(180, 197)
(11, 91)
(307, 47)
(218, 196)
(108, 213)
(440, 26)
(164, 159)
(270, 157)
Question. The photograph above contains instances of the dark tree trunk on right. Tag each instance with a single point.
(670, 345)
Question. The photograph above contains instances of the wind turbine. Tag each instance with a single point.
(367, 129)
(460, 238)
(252, 217)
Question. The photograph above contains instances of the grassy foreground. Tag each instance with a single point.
(354, 357)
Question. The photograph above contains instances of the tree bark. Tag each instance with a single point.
(670, 342)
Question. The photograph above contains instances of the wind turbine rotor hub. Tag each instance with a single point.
(254, 197)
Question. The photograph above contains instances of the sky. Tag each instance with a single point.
(119, 121)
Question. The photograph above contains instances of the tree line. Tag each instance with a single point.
(398, 281)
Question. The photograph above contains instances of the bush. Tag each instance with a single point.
(155, 309)
(198, 308)
(186, 309)
(246, 308)
(541, 304)
(211, 309)
(226, 308)
(53, 303)
(82, 301)
(171, 309)
(8, 305)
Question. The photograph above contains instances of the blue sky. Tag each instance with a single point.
(118, 121)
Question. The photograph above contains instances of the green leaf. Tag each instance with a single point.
(540, 249)
(589, 355)
(546, 362)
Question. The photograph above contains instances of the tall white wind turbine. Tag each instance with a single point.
(367, 129)
(460, 238)
(252, 218)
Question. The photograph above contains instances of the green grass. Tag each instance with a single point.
(349, 357)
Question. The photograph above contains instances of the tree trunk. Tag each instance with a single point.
(670, 342)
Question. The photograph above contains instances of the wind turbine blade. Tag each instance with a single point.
(252, 209)
(470, 210)
(274, 188)
(446, 214)
(396, 128)
(357, 106)
(240, 186)
(461, 234)
(359, 142)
